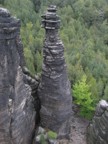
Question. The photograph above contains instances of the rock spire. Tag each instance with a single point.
(54, 88)
(97, 132)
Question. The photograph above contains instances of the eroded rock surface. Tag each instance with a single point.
(98, 128)
(54, 88)
(17, 115)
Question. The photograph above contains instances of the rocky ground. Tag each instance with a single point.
(77, 132)
(78, 129)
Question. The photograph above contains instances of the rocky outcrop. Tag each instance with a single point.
(98, 129)
(54, 88)
(17, 115)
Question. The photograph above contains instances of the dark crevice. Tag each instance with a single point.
(33, 82)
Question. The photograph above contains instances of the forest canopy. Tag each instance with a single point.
(84, 32)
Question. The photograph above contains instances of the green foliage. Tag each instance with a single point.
(29, 60)
(106, 93)
(39, 62)
(84, 31)
(37, 4)
(23, 9)
(82, 95)
(2, 2)
(30, 39)
(52, 135)
(42, 139)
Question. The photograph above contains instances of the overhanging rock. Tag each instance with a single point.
(54, 88)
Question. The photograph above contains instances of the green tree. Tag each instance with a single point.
(29, 60)
(2, 2)
(82, 95)
(37, 5)
(84, 31)
(106, 93)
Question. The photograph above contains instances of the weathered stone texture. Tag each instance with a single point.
(17, 116)
(97, 132)
(54, 88)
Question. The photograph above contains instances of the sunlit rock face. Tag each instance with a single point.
(97, 132)
(54, 89)
(17, 116)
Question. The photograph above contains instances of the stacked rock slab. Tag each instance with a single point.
(54, 88)
(98, 128)
(17, 117)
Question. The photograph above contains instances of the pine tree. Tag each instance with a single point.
(82, 95)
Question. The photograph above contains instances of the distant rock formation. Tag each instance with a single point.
(17, 115)
(54, 88)
(97, 132)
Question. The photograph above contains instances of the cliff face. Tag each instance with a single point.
(17, 116)
(54, 89)
(18, 89)
(98, 128)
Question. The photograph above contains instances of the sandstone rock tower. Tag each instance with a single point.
(17, 117)
(98, 129)
(54, 89)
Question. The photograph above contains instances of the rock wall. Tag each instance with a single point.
(17, 115)
(54, 88)
(97, 132)
(19, 101)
